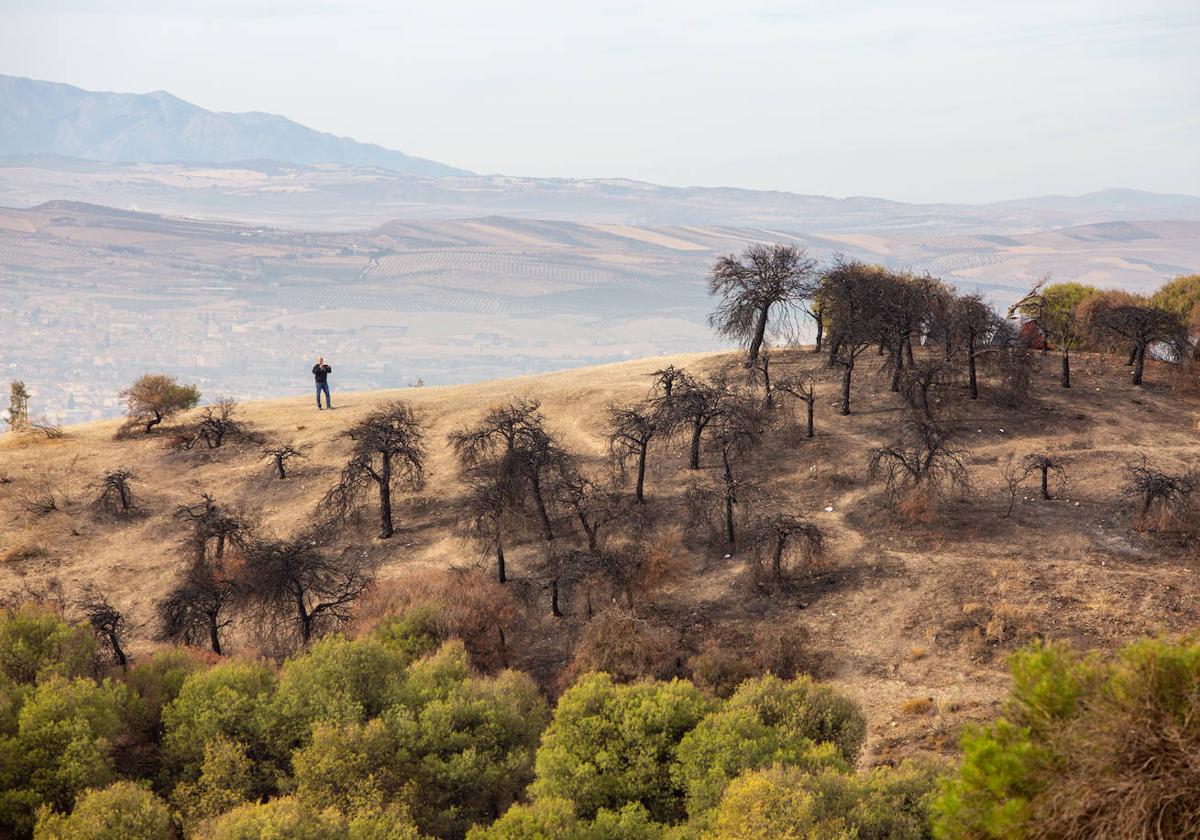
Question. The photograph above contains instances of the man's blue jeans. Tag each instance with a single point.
(323, 386)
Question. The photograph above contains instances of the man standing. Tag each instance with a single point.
(321, 373)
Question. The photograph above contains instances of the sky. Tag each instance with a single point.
(917, 101)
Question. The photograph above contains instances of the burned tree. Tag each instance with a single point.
(1163, 498)
(665, 380)
(280, 455)
(511, 448)
(901, 314)
(804, 390)
(852, 291)
(107, 623)
(760, 372)
(389, 449)
(592, 505)
(767, 282)
(198, 608)
(922, 457)
(490, 504)
(298, 586)
(156, 397)
(693, 406)
(217, 422)
(1143, 328)
(631, 428)
(214, 527)
(1043, 465)
(116, 496)
(975, 323)
(737, 430)
(921, 379)
(781, 537)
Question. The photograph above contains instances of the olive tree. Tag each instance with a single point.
(767, 282)
(389, 447)
(155, 397)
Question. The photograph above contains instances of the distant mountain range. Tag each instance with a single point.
(38, 117)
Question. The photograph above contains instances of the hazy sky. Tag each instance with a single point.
(961, 101)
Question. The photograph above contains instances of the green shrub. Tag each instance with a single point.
(121, 811)
(284, 818)
(790, 803)
(337, 681)
(413, 634)
(609, 745)
(153, 683)
(227, 779)
(63, 745)
(231, 700)
(352, 767)
(802, 708)
(36, 643)
(554, 819)
(1085, 748)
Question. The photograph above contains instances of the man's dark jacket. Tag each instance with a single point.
(321, 371)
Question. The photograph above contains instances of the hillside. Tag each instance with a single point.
(896, 612)
(38, 117)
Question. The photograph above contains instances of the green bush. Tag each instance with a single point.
(554, 819)
(790, 803)
(121, 811)
(36, 643)
(63, 745)
(337, 681)
(231, 700)
(1085, 748)
(768, 721)
(609, 745)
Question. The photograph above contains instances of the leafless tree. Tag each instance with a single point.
(298, 585)
(665, 380)
(511, 443)
(280, 455)
(852, 293)
(631, 428)
(780, 536)
(922, 378)
(214, 527)
(976, 323)
(389, 448)
(736, 431)
(106, 621)
(803, 389)
(1041, 464)
(591, 504)
(902, 313)
(1144, 327)
(923, 456)
(1157, 491)
(760, 373)
(694, 404)
(199, 607)
(116, 496)
(767, 281)
(217, 422)
(491, 502)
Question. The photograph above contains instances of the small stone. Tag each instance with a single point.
(829, 508)
(727, 556)
(1077, 504)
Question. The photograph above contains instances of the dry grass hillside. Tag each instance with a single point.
(912, 619)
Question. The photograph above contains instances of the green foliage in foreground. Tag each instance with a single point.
(394, 735)
(1085, 748)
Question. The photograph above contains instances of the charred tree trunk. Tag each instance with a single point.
(1133, 354)
(730, 500)
(1139, 365)
(1065, 381)
(897, 366)
(280, 467)
(535, 483)
(971, 367)
(385, 497)
(835, 347)
(158, 418)
(908, 351)
(501, 572)
(640, 491)
(697, 431)
(1045, 481)
(214, 634)
(820, 317)
(760, 332)
(554, 610)
(809, 412)
(846, 374)
(777, 559)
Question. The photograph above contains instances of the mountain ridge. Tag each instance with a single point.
(39, 116)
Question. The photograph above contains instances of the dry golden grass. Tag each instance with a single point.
(900, 609)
